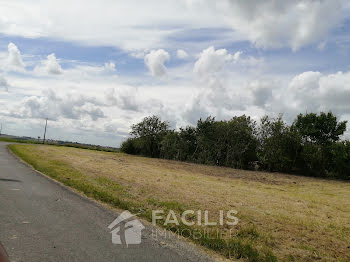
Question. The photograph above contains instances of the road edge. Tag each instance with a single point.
(177, 243)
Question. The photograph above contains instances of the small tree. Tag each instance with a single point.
(150, 132)
(130, 146)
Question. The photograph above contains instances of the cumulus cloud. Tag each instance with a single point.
(116, 127)
(287, 23)
(109, 67)
(306, 92)
(314, 91)
(130, 99)
(123, 98)
(155, 62)
(50, 66)
(305, 83)
(210, 71)
(195, 111)
(262, 92)
(211, 61)
(236, 56)
(181, 54)
(53, 106)
(14, 60)
(4, 84)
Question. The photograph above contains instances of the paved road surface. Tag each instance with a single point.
(43, 221)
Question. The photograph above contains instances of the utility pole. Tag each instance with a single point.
(0, 129)
(45, 132)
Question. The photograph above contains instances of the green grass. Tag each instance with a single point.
(22, 141)
(75, 145)
(89, 147)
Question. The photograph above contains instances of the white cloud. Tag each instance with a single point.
(181, 54)
(213, 65)
(269, 23)
(49, 66)
(155, 62)
(305, 83)
(212, 73)
(110, 66)
(138, 54)
(237, 55)
(52, 65)
(53, 106)
(195, 111)
(314, 91)
(124, 98)
(14, 60)
(287, 23)
(211, 61)
(4, 84)
(262, 92)
(99, 100)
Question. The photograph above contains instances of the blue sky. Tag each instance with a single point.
(120, 61)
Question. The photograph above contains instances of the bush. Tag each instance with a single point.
(340, 160)
(311, 160)
(129, 147)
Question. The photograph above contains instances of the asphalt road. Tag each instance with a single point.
(41, 220)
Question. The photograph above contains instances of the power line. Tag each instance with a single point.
(45, 132)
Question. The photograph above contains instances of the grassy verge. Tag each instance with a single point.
(282, 217)
(12, 140)
(66, 144)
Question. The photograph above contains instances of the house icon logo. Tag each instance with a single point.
(127, 229)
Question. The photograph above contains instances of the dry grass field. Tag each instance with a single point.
(281, 217)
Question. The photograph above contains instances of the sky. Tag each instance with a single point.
(94, 68)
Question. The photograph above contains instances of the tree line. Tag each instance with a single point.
(311, 145)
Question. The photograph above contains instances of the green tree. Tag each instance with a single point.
(206, 141)
(150, 132)
(322, 129)
(188, 143)
(340, 160)
(279, 145)
(129, 146)
(170, 146)
(241, 142)
(319, 133)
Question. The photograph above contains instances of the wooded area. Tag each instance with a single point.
(311, 145)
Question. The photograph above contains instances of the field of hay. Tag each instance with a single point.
(283, 217)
